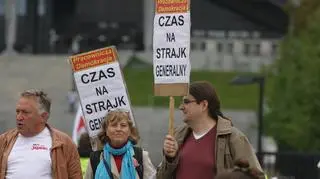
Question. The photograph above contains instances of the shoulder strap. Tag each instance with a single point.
(138, 156)
(107, 168)
(94, 160)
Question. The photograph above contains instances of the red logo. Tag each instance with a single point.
(39, 147)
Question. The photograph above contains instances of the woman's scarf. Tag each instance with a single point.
(128, 170)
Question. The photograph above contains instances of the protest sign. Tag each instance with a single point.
(171, 47)
(100, 84)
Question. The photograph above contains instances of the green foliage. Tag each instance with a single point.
(295, 98)
(301, 15)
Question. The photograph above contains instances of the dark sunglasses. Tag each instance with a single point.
(187, 101)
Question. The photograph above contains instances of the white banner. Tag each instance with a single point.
(171, 48)
(101, 89)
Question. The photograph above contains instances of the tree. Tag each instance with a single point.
(295, 99)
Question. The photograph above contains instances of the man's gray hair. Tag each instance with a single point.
(43, 100)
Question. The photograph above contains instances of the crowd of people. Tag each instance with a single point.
(207, 146)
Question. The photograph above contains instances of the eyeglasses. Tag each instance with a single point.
(118, 110)
(187, 101)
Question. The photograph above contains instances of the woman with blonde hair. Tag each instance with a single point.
(119, 159)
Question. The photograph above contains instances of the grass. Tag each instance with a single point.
(140, 87)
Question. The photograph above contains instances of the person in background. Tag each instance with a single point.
(84, 149)
(72, 100)
(34, 149)
(208, 143)
(119, 159)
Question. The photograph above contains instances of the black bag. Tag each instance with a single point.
(95, 159)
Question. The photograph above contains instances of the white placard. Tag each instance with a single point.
(101, 89)
(171, 44)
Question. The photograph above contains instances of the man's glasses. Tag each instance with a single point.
(187, 101)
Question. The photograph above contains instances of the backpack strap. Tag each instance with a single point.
(138, 156)
(95, 160)
(106, 166)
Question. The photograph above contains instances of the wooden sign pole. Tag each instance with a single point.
(171, 116)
